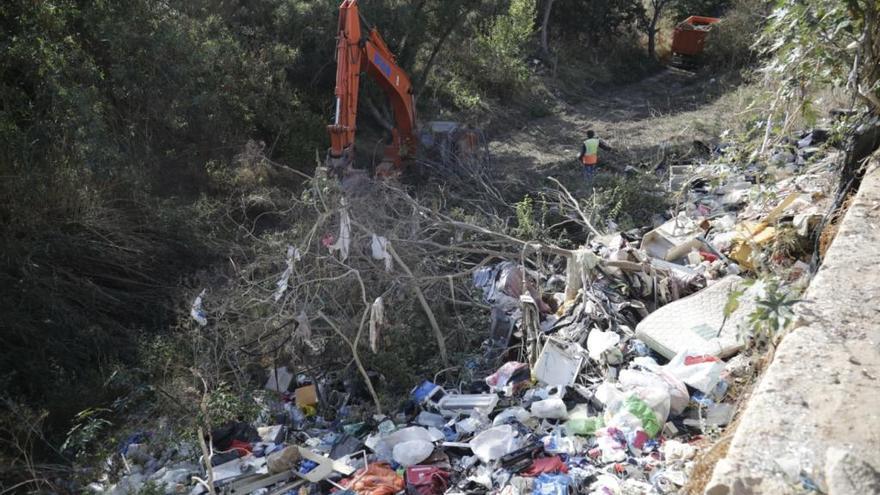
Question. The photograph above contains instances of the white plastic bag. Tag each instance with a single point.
(552, 408)
(519, 413)
(293, 255)
(412, 452)
(598, 342)
(377, 322)
(384, 447)
(379, 246)
(678, 394)
(196, 310)
(343, 242)
(698, 370)
(494, 443)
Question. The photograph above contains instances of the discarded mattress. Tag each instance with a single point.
(696, 322)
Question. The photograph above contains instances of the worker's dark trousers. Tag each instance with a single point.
(589, 173)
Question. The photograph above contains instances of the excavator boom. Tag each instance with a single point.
(357, 54)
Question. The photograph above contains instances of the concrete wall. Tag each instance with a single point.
(815, 415)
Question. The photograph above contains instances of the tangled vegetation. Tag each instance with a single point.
(150, 150)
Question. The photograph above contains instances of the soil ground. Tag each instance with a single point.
(641, 121)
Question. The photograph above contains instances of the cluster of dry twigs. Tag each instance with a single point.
(304, 297)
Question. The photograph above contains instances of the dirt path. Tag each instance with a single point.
(673, 107)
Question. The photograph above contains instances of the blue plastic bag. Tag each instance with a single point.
(552, 484)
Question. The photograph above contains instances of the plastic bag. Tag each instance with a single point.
(494, 443)
(377, 479)
(551, 484)
(598, 342)
(640, 409)
(379, 246)
(196, 310)
(377, 322)
(293, 254)
(499, 379)
(343, 242)
(555, 443)
(552, 408)
(518, 413)
(585, 426)
(700, 371)
(646, 380)
(412, 452)
(384, 447)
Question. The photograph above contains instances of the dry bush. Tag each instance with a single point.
(323, 315)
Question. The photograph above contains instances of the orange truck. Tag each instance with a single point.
(689, 36)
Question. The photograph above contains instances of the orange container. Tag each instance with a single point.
(690, 35)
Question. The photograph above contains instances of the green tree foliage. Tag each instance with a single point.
(816, 42)
(116, 116)
(592, 23)
(682, 9)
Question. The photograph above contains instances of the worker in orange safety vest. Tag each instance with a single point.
(589, 156)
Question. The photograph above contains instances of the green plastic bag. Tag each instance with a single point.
(638, 408)
(585, 426)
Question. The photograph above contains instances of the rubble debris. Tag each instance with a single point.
(598, 376)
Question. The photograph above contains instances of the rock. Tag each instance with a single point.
(129, 484)
(846, 473)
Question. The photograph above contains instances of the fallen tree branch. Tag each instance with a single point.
(354, 352)
(441, 343)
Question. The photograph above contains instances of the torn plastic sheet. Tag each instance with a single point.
(279, 379)
(600, 341)
(293, 255)
(196, 310)
(343, 241)
(377, 322)
(380, 251)
(303, 332)
(581, 262)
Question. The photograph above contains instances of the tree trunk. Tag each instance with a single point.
(422, 78)
(652, 26)
(545, 25)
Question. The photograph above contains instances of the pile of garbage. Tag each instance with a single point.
(605, 377)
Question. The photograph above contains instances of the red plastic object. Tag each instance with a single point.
(708, 256)
(426, 480)
(545, 465)
(690, 35)
(243, 448)
(692, 360)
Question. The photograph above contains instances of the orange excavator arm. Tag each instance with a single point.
(357, 54)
